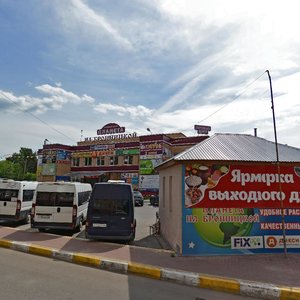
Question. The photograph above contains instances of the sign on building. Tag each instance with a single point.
(237, 209)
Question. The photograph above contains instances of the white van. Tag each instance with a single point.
(16, 199)
(60, 205)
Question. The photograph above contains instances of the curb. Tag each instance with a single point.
(229, 285)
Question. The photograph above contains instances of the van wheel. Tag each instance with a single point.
(27, 218)
(80, 225)
(132, 240)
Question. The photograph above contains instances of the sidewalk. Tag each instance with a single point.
(260, 276)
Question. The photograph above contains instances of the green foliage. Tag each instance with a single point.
(30, 177)
(19, 166)
(10, 170)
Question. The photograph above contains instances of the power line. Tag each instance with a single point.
(233, 98)
(45, 123)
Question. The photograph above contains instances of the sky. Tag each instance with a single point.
(69, 67)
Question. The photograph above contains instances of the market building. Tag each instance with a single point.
(113, 154)
(231, 194)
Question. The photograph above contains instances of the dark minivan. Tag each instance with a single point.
(110, 213)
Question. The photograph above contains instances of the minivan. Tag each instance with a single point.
(111, 212)
(60, 205)
(16, 199)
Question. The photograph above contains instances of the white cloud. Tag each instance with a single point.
(186, 61)
(57, 98)
(138, 111)
(254, 36)
(243, 114)
(78, 17)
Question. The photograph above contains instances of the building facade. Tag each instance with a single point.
(113, 154)
(229, 195)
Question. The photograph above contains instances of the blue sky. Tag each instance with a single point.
(68, 67)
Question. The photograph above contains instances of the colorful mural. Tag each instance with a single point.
(240, 209)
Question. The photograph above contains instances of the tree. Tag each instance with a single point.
(10, 170)
(21, 165)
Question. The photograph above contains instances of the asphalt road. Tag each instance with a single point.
(145, 216)
(30, 277)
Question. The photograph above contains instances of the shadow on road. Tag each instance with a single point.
(152, 241)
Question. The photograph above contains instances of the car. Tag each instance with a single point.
(138, 198)
(154, 200)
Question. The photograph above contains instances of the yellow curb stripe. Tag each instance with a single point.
(5, 243)
(39, 250)
(209, 282)
(87, 260)
(144, 270)
(220, 284)
(287, 293)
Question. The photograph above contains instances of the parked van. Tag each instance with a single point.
(111, 212)
(60, 205)
(16, 199)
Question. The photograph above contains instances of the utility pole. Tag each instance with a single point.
(25, 164)
(278, 165)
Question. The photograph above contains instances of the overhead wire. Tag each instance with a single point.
(235, 98)
(222, 107)
(39, 119)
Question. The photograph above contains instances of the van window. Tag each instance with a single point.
(28, 195)
(6, 195)
(45, 199)
(110, 206)
(64, 199)
(112, 199)
(54, 199)
(83, 197)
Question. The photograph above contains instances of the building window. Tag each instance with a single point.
(100, 161)
(170, 194)
(75, 161)
(128, 160)
(113, 160)
(87, 161)
(164, 191)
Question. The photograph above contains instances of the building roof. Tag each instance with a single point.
(189, 140)
(239, 147)
(176, 135)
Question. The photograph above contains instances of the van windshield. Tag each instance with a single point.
(54, 199)
(7, 194)
(111, 206)
(112, 200)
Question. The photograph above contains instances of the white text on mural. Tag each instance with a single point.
(253, 196)
(268, 179)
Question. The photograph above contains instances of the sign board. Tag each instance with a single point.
(201, 129)
(111, 128)
(110, 132)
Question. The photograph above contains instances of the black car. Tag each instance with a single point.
(138, 198)
(154, 200)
